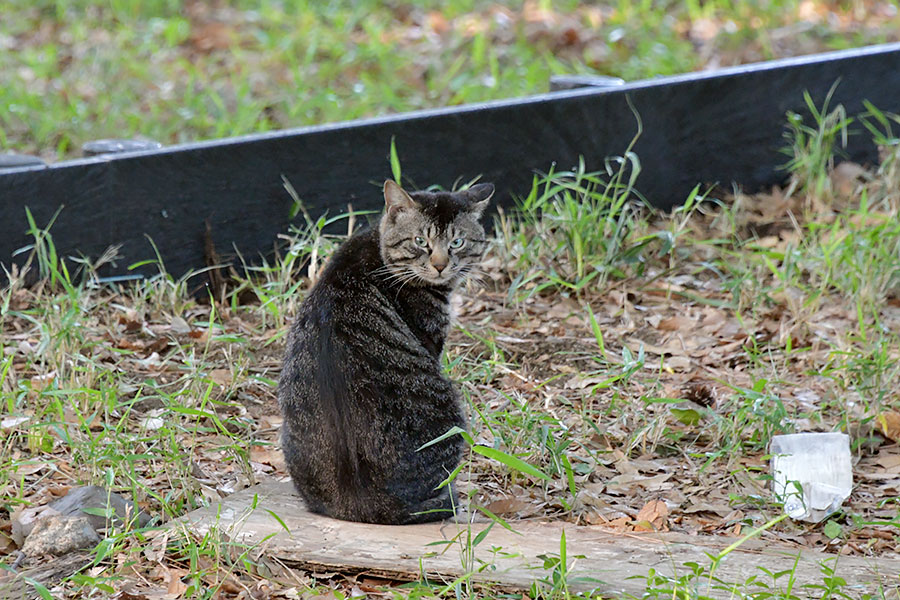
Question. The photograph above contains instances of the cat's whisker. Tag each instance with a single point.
(471, 270)
(389, 269)
(475, 281)
(393, 273)
(402, 276)
(475, 271)
(412, 277)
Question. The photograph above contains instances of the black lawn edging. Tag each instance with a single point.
(720, 127)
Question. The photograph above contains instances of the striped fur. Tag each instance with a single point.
(362, 387)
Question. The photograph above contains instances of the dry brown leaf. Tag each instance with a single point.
(846, 178)
(507, 506)
(229, 587)
(625, 483)
(129, 325)
(221, 376)
(126, 344)
(155, 550)
(212, 36)
(652, 517)
(175, 588)
(577, 382)
(13, 422)
(179, 325)
(159, 345)
(438, 23)
(268, 456)
(620, 524)
(94, 424)
(563, 308)
(697, 506)
(271, 421)
(889, 422)
(890, 462)
(40, 382)
(7, 544)
(682, 363)
(677, 323)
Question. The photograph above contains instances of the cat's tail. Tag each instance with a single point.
(334, 398)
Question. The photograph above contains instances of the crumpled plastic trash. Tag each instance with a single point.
(812, 473)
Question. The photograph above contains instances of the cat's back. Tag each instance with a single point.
(344, 285)
(348, 313)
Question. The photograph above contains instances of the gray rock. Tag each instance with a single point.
(111, 508)
(58, 535)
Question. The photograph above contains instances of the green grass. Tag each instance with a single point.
(169, 398)
(174, 71)
(572, 358)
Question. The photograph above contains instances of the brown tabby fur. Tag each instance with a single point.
(362, 388)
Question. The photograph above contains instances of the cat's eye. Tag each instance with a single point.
(420, 241)
(457, 243)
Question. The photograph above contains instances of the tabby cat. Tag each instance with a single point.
(362, 387)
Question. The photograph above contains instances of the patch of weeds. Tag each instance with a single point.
(518, 426)
(812, 148)
(277, 283)
(867, 367)
(612, 371)
(557, 585)
(700, 582)
(880, 125)
(480, 361)
(855, 255)
(569, 232)
(748, 420)
(673, 240)
(467, 540)
(206, 565)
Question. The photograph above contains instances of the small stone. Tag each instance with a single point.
(24, 520)
(58, 535)
(117, 508)
(98, 147)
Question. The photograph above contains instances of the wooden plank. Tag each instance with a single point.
(715, 127)
(47, 572)
(616, 562)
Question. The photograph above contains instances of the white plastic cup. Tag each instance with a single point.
(813, 474)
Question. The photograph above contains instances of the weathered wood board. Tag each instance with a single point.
(17, 585)
(713, 127)
(615, 563)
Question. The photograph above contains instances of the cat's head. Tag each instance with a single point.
(432, 238)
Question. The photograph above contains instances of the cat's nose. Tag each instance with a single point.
(439, 261)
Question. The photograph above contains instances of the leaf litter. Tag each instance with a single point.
(661, 426)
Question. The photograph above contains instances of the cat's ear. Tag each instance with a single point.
(396, 198)
(479, 197)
